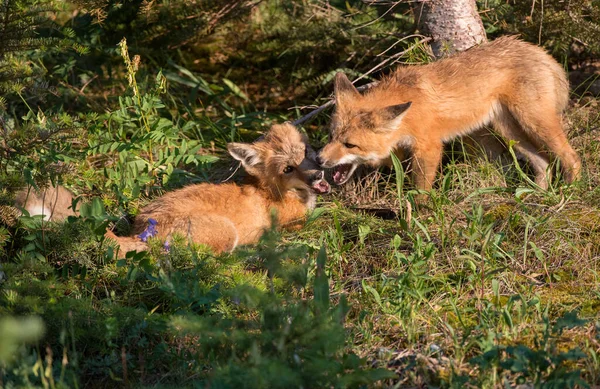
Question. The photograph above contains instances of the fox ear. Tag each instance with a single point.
(397, 110)
(245, 153)
(343, 88)
(395, 114)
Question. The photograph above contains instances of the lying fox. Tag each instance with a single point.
(284, 177)
(515, 86)
(53, 202)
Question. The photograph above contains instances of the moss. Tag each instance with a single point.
(582, 218)
(568, 295)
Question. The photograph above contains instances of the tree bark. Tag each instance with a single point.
(454, 25)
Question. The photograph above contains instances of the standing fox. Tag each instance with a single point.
(514, 85)
(284, 177)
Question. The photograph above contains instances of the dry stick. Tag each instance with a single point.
(331, 102)
(393, 57)
(239, 165)
(541, 22)
(315, 112)
(400, 41)
(328, 104)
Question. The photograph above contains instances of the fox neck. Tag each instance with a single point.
(279, 198)
(291, 198)
(306, 196)
(291, 208)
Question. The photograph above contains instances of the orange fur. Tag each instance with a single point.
(126, 243)
(284, 177)
(515, 86)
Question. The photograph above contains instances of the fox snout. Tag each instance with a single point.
(319, 160)
(316, 176)
(331, 155)
(323, 158)
(336, 157)
(316, 180)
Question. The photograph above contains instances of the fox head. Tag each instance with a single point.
(282, 161)
(362, 131)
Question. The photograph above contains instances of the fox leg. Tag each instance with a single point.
(126, 243)
(571, 163)
(546, 129)
(425, 162)
(400, 153)
(510, 128)
(485, 141)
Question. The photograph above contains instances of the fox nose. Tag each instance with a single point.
(316, 176)
(319, 161)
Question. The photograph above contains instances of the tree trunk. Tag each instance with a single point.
(454, 25)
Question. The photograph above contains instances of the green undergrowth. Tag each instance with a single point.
(490, 283)
(184, 318)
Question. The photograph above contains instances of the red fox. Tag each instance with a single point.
(513, 85)
(284, 177)
(53, 202)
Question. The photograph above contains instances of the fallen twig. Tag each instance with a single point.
(328, 104)
(361, 88)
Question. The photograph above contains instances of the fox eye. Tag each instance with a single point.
(288, 169)
(349, 145)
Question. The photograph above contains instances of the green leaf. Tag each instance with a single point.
(399, 174)
(568, 320)
(315, 214)
(396, 242)
(363, 231)
(235, 89)
(538, 253)
(14, 332)
(520, 192)
(321, 283)
(507, 318)
(97, 207)
(372, 291)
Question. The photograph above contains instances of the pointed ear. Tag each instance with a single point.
(343, 88)
(245, 153)
(395, 114)
(396, 110)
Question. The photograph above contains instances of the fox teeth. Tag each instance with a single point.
(322, 187)
(342, 173)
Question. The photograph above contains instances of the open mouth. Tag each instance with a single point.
(342, 173)
(321, 187)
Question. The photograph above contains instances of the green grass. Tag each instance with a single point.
(490, 284)
(490, 263)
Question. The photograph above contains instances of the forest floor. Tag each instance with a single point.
(492, 283)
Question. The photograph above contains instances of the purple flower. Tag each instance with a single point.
(150, 231)
(167, 246)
